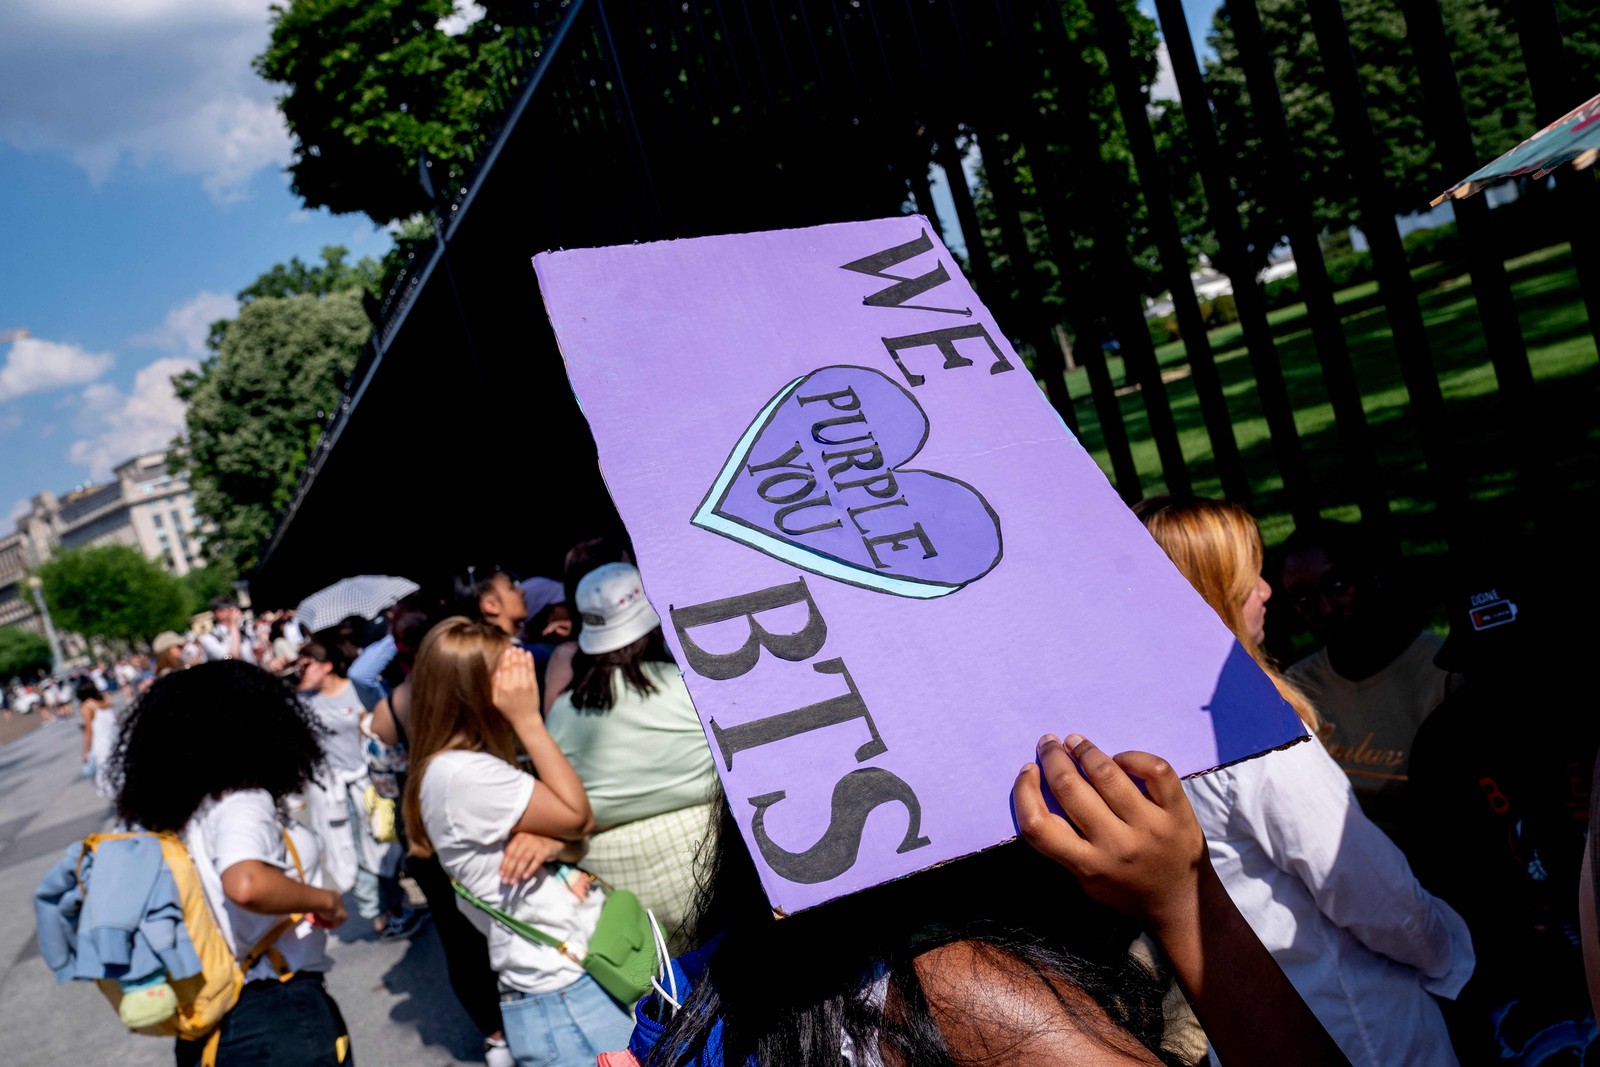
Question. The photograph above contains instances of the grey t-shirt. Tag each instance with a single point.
(340, 713)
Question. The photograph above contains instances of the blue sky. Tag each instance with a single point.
(141, 163)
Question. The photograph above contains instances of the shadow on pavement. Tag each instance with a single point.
(52, 839)
(421, 979)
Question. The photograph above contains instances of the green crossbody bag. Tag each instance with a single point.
(622, 949)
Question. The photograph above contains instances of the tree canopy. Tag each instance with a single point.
(371, 84)
(112, 592)
(296, 278)
(1079, 191)
(23, 653)
(257, 405)
(1489, 68)
(202, 584)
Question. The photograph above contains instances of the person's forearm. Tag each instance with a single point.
(1249, 1009)
(264, 889)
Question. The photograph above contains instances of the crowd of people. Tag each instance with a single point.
(1398, 887)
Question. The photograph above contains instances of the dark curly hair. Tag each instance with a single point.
(215, 728)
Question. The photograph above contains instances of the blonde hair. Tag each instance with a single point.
(452, 707)
(1216, 544)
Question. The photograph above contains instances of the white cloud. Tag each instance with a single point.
(117, 425)
(1165, 87)
(461, 19)
(166, 83)
(187, 325)
(35, 365)
(19, 509)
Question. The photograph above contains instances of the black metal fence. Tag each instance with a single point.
(652, 119)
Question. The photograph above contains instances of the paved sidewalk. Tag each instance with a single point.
(17, 725)
(395, 996)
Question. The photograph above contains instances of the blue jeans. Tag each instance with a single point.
(375, 894)
(569, 1027)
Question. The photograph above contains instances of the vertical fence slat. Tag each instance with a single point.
(1293, 207)
(1112, 30)
(1412, 350)
(1539, 30)
(1080, 309)
(1120, 288)
(1490, 283)
(1028, 309)
(949, 159)
(637, 152)
(1235, 256)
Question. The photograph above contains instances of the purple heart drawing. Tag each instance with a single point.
(818, 480)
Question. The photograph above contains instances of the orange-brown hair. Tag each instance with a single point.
(452, 707)
(1216, 544)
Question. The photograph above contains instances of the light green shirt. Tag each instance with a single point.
(646, 755)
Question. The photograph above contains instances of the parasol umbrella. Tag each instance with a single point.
(366, 595)
(1574, 138)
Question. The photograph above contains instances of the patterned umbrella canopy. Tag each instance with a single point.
(1574, 138)
(366, 595)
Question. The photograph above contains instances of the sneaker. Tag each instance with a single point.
(496, 1054)
(403, 925)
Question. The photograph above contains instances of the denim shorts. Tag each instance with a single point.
(567, 1027)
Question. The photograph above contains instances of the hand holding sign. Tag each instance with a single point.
(1141, 854)
(1145, 855)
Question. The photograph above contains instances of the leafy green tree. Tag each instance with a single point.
(22, 653)
(112, 592)
(1489, 68)
(370, 84)
(256, 409)
(1054, 271)
(203, 584)
(295, 278)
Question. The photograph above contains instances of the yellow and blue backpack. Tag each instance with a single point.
(203, 997)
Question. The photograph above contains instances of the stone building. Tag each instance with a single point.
(143, 505)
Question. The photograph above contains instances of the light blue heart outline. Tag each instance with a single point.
(706, 517)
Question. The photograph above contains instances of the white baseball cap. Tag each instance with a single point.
(610, 600)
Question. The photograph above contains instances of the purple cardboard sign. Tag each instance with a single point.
(883, 563)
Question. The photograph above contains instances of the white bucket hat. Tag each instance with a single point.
(610, 600)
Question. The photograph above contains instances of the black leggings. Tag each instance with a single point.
(279, 1023)
(466, 951)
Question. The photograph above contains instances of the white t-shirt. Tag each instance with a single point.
(341, 714)
(245, 826)
(102, 742)
(216, 644)
(470, 803)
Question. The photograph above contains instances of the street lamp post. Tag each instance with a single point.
(49, 627)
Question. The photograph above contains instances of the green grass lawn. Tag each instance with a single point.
(1494, 462)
